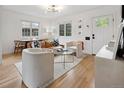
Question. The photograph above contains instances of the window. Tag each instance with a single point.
(102, 22)
(26, 28)
(30, 29)
(34, 32)
(35, 29)
(25, 31)
(61, 29)
(65, 29)
(68, 29)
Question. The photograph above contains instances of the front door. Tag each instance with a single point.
(102, 32)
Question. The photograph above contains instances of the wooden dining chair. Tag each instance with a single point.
(29, 45)
(16, 49)
(22, 45)
(19, 46)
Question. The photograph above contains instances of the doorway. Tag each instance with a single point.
(102, 31)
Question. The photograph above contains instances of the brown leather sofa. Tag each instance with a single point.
(46, 44)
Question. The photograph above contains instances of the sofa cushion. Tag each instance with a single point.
(48, 44)
(42, 43)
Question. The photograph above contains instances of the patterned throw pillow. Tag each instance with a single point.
(55, 42)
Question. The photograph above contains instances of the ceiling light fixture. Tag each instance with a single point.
(54, 8)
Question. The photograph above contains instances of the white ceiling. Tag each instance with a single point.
(39, 10)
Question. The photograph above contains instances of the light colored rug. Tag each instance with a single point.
(58, 67)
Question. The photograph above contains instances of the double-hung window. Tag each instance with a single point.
(68, 29)
(26, 29)
(61, 29)
(30, 29)
(65, 29)
(35, 29)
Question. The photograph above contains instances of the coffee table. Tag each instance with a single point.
(64, 53)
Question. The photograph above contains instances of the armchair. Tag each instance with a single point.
(37, 67)
(77, 46)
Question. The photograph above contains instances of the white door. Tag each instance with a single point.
(103, 32)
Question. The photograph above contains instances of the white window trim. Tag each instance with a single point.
(65, 28)
(30, 29)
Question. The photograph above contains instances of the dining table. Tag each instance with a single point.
(26, 41)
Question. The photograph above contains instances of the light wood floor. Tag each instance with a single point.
(83, 75)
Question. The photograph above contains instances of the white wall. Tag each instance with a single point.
(11, 27)
(86, 18)
(0, 41)
(0, 51)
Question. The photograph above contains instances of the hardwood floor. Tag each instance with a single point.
(9, 76)
(81, 76)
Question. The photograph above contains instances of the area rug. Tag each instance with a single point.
(59, 69)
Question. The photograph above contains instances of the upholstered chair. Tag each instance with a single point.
(37, 67)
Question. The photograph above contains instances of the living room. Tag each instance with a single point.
(12, 22)
(73, 26)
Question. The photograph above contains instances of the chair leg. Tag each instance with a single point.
(18, 50)
(15, 50)
(22, 49)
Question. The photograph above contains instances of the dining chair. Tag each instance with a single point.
(19, 46)
(29, 45)
(16, 49)
(22, 45)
